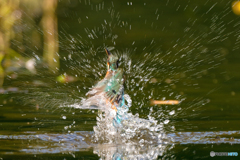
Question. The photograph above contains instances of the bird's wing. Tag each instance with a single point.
(99, 87)
(114, 86)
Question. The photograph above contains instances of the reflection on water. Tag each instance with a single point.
(82, 141)
(125, 151)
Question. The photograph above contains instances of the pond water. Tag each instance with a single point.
(169, 50)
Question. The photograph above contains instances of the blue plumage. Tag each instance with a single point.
(112, 88)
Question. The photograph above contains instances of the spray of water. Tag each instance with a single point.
(153, 71)
(132, 128)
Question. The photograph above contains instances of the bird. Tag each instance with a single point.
(112, 87)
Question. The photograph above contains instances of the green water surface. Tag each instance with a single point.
(199, 60)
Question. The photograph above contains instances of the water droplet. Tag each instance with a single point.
(166, 121)
(141, 141)
(172, 112)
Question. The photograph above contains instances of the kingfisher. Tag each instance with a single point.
(112, 87)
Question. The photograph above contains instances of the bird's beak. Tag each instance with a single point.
(107, 51)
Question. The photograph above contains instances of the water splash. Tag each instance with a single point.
(130, 129)
(153, 72)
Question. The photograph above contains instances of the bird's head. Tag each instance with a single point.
(112, 61)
